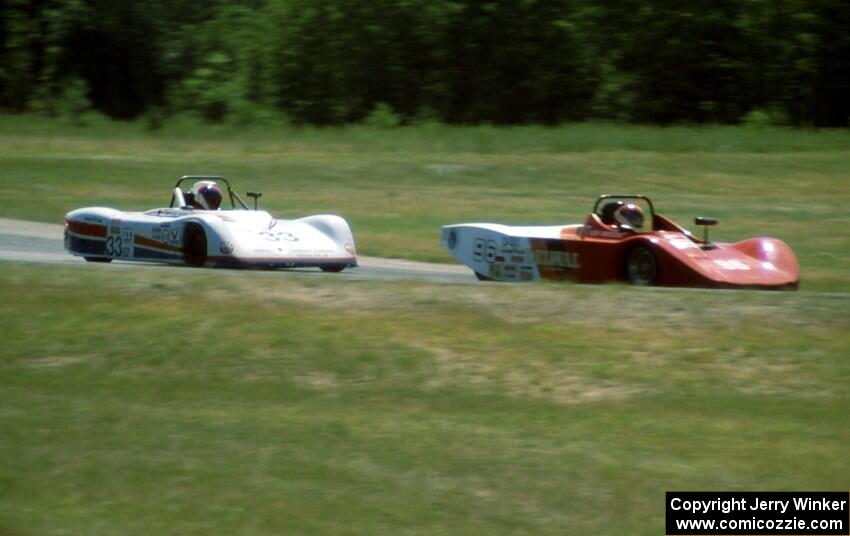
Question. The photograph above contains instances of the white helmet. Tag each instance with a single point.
(207, 195)
(629, 214)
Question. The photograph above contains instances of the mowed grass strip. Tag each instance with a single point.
(398, 186)
(161, 400)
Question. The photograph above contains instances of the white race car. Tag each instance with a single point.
(194, 230)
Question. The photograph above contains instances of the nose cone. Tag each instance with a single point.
(449, 237)
(772, 261)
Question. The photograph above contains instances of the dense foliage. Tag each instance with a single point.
(460, 61)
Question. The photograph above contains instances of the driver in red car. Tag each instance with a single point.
(629, 215)
(206, 195)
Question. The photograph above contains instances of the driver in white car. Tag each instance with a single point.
(205, 195)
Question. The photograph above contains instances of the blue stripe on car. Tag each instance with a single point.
(85, 245)
(140, 252)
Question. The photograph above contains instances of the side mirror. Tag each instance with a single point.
(706, 222)
(255, 196)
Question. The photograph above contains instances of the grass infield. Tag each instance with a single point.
(149, 400)
(167, 400)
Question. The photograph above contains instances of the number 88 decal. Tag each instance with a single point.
(484, 250)
(113, 246)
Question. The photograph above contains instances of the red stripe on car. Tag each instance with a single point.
(86, 229)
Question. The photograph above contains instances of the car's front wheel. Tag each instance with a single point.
(98, 259)
(642, 267)
(333, 268)
(195, 245)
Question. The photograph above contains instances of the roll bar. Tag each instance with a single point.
(234, 197)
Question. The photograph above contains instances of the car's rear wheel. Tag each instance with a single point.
(333, 268)
(195, 245)
(98, 259)
(642, 267)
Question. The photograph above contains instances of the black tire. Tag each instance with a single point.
(333, 268)
(482, 277)
(195, 245)
(98, 259)
(642, 266)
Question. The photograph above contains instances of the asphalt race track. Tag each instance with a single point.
(42, 243)
(34, 242)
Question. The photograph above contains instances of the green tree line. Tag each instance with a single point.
(457, 61)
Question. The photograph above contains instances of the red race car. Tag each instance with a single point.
(620, 241)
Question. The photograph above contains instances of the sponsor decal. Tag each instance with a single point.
(172, 237)
(169, 237)
(731, 264)
(510, 243)
(115, 226)
(600, 233)
(225, 247)
(553, 260)
(558, 259)
(526, 275)
(350, 248)
(277, 236)
(511, 248)
(452, 241)
(681, 243)
(495, 271)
